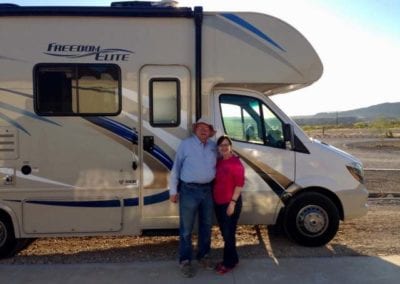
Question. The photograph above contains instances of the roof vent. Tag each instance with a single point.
(146, 4)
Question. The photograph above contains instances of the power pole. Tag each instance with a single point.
(337, 119)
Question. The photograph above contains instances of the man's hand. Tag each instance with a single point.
(174, 198)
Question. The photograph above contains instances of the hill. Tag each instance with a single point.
(385, 110)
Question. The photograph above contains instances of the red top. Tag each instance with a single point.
(230, 174)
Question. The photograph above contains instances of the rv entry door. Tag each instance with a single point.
(164, 93)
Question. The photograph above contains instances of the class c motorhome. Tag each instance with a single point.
(95, 100)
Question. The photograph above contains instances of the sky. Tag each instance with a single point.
(358, 42)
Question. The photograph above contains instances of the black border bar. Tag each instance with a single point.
(198, 20)
(162, 12)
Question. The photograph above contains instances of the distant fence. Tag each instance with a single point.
(327, 120)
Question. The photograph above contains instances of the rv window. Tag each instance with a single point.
(164, 102)
(241, 118)
(248, 119)
(77, 89)
(273, 129)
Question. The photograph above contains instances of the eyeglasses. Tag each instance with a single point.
(224, 145)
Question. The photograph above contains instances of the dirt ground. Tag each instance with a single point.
(376, 234)
(380, 156)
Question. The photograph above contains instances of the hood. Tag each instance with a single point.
(338, 151)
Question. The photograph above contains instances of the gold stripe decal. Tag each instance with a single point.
(277, 181)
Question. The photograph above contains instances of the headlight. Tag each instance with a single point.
(357, 171)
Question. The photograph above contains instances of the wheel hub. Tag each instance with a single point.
(312, 220)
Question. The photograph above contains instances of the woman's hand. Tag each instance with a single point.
(231, 208)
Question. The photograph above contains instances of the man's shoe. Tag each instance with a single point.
(207, 263)
(217, 267)
(187, 269)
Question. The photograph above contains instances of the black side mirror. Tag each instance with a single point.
(288, 135)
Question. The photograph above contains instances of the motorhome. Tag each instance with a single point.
(94, 102)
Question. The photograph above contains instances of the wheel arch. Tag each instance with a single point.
(7, 212)
(326, 192)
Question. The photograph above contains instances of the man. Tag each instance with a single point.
(191, 184)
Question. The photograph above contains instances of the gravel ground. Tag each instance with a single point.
(377, 233)
(381, 159)
(383, 182)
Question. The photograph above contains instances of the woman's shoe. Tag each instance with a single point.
(222, 269)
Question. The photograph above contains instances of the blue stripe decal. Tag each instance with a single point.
(251, 28)
(129, 202)
(156, 198)
(27, 113)
(148, 200)
(130, 135)
(162, 157)
(16, 93)
(115, 127)
(14, 123)
(96, 204)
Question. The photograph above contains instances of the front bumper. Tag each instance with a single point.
(354, 201)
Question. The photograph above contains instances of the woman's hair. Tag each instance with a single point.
(222, 138)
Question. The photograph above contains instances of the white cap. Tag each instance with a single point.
(203, 120)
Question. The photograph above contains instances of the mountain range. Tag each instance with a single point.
(385, 110)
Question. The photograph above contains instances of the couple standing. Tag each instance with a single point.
(199, 181)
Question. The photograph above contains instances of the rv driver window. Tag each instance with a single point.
(77, 89)
(247, 119)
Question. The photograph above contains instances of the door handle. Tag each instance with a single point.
(148, 143)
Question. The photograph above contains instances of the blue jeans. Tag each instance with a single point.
(195, 199)
(227, 225)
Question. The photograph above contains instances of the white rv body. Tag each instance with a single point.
(100, 164)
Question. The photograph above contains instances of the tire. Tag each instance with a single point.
(311, 219)
(23, 244)
(8, 242)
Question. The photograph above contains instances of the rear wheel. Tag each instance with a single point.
(311, 219)
(8, 242)
(23, 244)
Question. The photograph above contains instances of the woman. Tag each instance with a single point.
(229, 181)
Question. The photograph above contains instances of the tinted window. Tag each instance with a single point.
(77, 89)
(164, 102)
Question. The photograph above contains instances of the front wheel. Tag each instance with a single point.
(8, 242)
(311, 219)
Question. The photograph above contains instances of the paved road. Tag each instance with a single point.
(319, 270)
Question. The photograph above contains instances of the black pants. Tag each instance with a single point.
(227, 225)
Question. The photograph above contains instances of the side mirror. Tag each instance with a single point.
(288, 136)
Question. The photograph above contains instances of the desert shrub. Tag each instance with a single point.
(383, 125)
(389, 134)
(361, 124)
